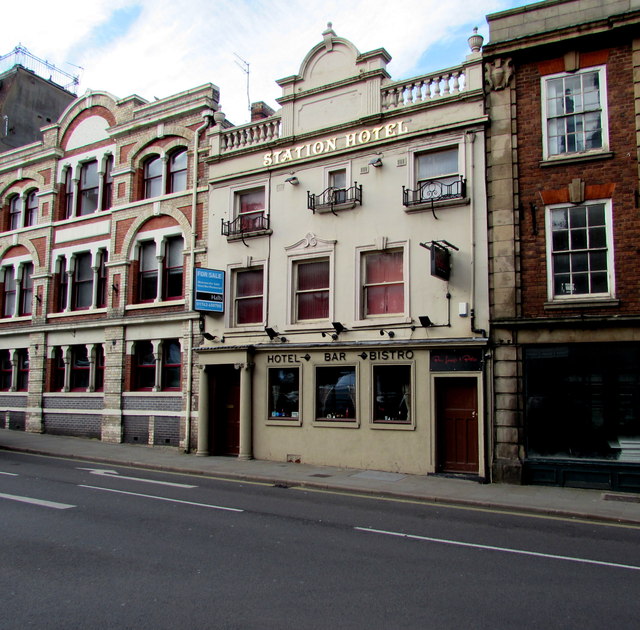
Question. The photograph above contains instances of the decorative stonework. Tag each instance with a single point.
(498, 73)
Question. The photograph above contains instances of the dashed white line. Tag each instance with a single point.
(151, 496)
(522, 552)
(40, 502)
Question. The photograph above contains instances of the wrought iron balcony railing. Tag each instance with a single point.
(332, 198)
(431, 191)
(245, 225)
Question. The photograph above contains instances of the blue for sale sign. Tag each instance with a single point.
(208, 287)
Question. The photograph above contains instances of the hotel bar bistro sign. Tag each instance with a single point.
(328, 145)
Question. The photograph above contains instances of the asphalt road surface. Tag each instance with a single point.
(90, 546)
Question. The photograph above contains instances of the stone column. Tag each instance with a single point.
(246, 411)
(203, 413)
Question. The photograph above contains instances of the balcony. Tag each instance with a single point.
(333, 199)
(433, 191)
(246, 225)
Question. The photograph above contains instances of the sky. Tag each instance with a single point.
(156, 48)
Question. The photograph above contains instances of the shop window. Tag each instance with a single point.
(336, 393)
(31, 210)
(574, 112)
(392, 394)
(88, 188)
(579, 251)
(107, 184)
(248, 296)
(6, 370)
(152, 170)
(80, 368)
(383, 283)
(284, 393)
(312, 289)
(178, 171)
(171, 364)
(144, 366)
(99, 368)
(58, 369)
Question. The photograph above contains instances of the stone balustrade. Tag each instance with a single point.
(251, 134)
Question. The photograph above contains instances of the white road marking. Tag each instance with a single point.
(9, 474)
(458, 543)
(151, 496)
(40, 502)
(114, 474)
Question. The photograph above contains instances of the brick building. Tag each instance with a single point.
(563, 85)
(102, 222)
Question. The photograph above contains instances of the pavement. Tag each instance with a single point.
(594, 505)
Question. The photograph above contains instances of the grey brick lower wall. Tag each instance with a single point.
(166, 432)
(135, 429)
(152, 403)
(73, 425)
(14, 420)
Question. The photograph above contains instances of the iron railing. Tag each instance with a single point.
(433, 190)
(331, 198)
(245, 225)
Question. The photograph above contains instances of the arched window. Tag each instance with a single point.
(15, 212)
(178, 171)
(153, 177)
(68, 193)
(107, 184)
(89, 187)
(31, 211)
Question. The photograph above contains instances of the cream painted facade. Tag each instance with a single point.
(337, 345)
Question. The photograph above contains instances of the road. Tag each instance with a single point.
(89, 546)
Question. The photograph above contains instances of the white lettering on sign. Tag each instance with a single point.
(327, 145)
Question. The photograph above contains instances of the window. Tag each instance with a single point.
(144, 364)
(339, 192)
(63, 285)
(82, 282)
(178, 171)
(6, 370)
(22, 375)
(153, 177)
(15, 213)
(161, 282)
(312, 281)
(31, 211)
(284, 393)
(88, 188)
(383, 283)
(107, 184)
(171, 364)
(26, 290)
(392, 393)
(251, 209)
(338, 184)
(101, 298)
(574, 112)
(9, 297)
(80, 369)
(437, 177)
(58, 370)
(173, 267)
(68, 193)
(579, 251)
(336, 393)
(99, 368)
(248, 296)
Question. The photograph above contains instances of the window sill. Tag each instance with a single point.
(427, 206)
(392, 426)
(149, 392)
(581, 303)
(240, 237)
(147, 305)
(337, 424)
(75, 394)
(284, 422)
(19, 318)
(576, 158)
(85, 311)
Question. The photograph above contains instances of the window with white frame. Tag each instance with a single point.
(383, 282)
(250, 205)
(15, 212)
(156, 365)
(77, 368)
(80, 281)
(579, 247)
(88, 188)
(248, 292)
(312, 282)
(17, 289)
(23, 210)
(574, 112)
(436, 177)
(14, 370)
(284, 393)
(392, 394)
(160, 276)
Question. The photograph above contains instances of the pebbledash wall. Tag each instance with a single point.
(337, 344)
(102, 224)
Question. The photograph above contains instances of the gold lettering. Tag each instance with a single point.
(287, 155)
(375, 132)
(331, 144)
(390, 129)
(364, 136)
(268, 160)
(350, 139)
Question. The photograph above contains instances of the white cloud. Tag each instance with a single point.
(174, 45)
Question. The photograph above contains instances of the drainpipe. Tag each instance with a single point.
(207, 114)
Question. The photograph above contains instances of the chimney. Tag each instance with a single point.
(260, 110)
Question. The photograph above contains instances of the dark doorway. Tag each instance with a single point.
(225, 411)
(457, 425)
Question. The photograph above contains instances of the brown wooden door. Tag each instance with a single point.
(457, 425)
(225, 437)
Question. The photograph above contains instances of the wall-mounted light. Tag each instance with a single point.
(376, 162)
(273, 334)
(293, 180)
(389, 333)
(333, 336)
(425, 322)
(338, 327)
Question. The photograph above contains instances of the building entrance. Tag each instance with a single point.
(225, 411)
(457, 425)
